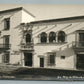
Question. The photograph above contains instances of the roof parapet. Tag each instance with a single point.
(16, 9)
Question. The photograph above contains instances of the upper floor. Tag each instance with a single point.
(10, 25)
(46, 32)
(13, 17)
(57, 32)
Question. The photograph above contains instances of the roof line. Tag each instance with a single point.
(10, 10)
(16, 9)
(28, 12)
(58, 19)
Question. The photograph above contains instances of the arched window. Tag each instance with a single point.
(43, 37)
(28, 38)
(61, 36)
(52, 37)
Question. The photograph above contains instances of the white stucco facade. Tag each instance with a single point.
(30, 51)
(17, 16)
(61, 49)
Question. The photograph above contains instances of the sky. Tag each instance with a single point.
(48, 11)
(43, 1)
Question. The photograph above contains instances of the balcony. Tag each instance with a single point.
(78, 46)
(4, 46)
(27, 46)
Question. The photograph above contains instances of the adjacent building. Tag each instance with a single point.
(53, 43)
(11, 34)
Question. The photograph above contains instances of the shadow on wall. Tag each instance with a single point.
(66, 52)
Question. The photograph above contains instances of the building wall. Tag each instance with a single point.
(15, 32)
(16, 36)
(65, 49)
(26, 18)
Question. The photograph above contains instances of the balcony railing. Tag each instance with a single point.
(27, 46)
(78, 44)
(4, 46)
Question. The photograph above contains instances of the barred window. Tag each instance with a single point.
(51, 58)
(52, 37)
(43, 37)
(6, 57)
(7, 23)
(6, 41)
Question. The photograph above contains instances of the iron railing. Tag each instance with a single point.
(77, 44)
(27, 46)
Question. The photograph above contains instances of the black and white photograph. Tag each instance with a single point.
(41, 42)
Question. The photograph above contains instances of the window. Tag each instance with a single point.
(7, 23)
(52, 37)
(62, 57)
(61, 36)
(52, 58)
(81, 39)
(6, 57)
(0, 33)
(28, 38)
(6, 39)
(43, 37)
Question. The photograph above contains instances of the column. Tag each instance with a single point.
(56, 36)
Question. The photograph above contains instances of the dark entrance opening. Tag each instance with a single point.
(80, 61)
(41, 62)
(28, 59)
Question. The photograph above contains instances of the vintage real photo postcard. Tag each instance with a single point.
(41, 42)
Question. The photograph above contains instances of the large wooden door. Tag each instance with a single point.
(28, 59)
(41, 62)
(80, 61)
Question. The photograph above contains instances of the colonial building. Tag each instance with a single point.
(54, 43)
